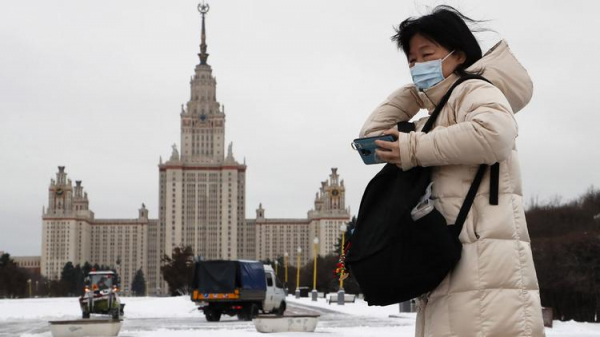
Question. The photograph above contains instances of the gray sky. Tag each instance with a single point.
(97, 87)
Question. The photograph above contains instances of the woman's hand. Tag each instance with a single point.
(389, 151)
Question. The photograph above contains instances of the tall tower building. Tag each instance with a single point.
(66, 226)
(328, 214)
(71, 233)
(202, 189)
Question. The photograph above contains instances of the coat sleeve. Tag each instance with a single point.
(484, 132)
(400, 106)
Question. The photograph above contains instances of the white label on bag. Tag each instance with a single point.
(425, 205)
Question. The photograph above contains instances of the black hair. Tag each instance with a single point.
(445, 26)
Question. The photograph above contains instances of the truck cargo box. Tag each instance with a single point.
(224, 280)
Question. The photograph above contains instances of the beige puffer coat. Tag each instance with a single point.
(493, 291)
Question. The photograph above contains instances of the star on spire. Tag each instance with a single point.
(203, 9)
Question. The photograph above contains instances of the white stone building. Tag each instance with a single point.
(202, 204)
(29, 263)
(71, 233)
(202, 190)
(275, 237)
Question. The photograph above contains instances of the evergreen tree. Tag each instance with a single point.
(177, 270)
(78, 290)
(87, 267)
(138, 286)
(349, 230)
(68, 279)
(13, 280)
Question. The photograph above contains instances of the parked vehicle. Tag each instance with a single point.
(101, 295)
(236, 288)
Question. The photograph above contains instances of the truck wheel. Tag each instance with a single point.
(253, 311)
(212, 316)
(248, 312)
(245, 314)
(281, 309)
(116, 313)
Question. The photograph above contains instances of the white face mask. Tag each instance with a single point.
(427, 74)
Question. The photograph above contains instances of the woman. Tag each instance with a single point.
(493, 291)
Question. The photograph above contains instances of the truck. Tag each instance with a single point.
(236, 288)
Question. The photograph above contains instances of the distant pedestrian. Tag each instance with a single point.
(493, 291)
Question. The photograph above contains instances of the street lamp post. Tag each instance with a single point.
(341, 293)
(285, 266)
(315, 294)
(276, 268)
(30, 291)
(298, 272)
(118, 262)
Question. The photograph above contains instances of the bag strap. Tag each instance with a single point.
(446, 97)
(494, 169)
(494, 182)
(466, 206)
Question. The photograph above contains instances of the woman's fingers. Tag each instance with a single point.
(385, 145)
(388, 151)
(384, 155)
(389, 156)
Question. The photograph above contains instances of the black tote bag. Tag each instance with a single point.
(392, 257)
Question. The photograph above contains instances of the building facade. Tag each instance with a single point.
(202, 198)
(202, 189)
(275, 237)
(30, 263)
(71, 233)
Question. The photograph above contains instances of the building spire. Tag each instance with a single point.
(203, 9)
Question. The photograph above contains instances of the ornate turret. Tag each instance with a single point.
(331, 198)
(202, 118)
(143, 212)
(260, 212)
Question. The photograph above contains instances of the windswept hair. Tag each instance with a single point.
(445, 26)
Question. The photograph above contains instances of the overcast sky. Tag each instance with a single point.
(97, 87)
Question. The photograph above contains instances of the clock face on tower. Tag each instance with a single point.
(335, 193)
(59, 192)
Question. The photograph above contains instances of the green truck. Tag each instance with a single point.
(101, 295)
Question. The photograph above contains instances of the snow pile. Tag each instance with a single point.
(160, 307)
(361, 308)
(358, 308)
(39, 308)
(68, 308)
(178, 317)
(573, 329)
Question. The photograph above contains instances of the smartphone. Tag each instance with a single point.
(366, 148)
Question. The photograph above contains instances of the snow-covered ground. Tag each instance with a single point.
(178, 317)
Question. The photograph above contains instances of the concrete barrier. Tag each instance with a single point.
(86, 327)
(293, 323)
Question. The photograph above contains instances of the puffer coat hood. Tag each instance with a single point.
(493, 291)
(500, 66)
(506, 72)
